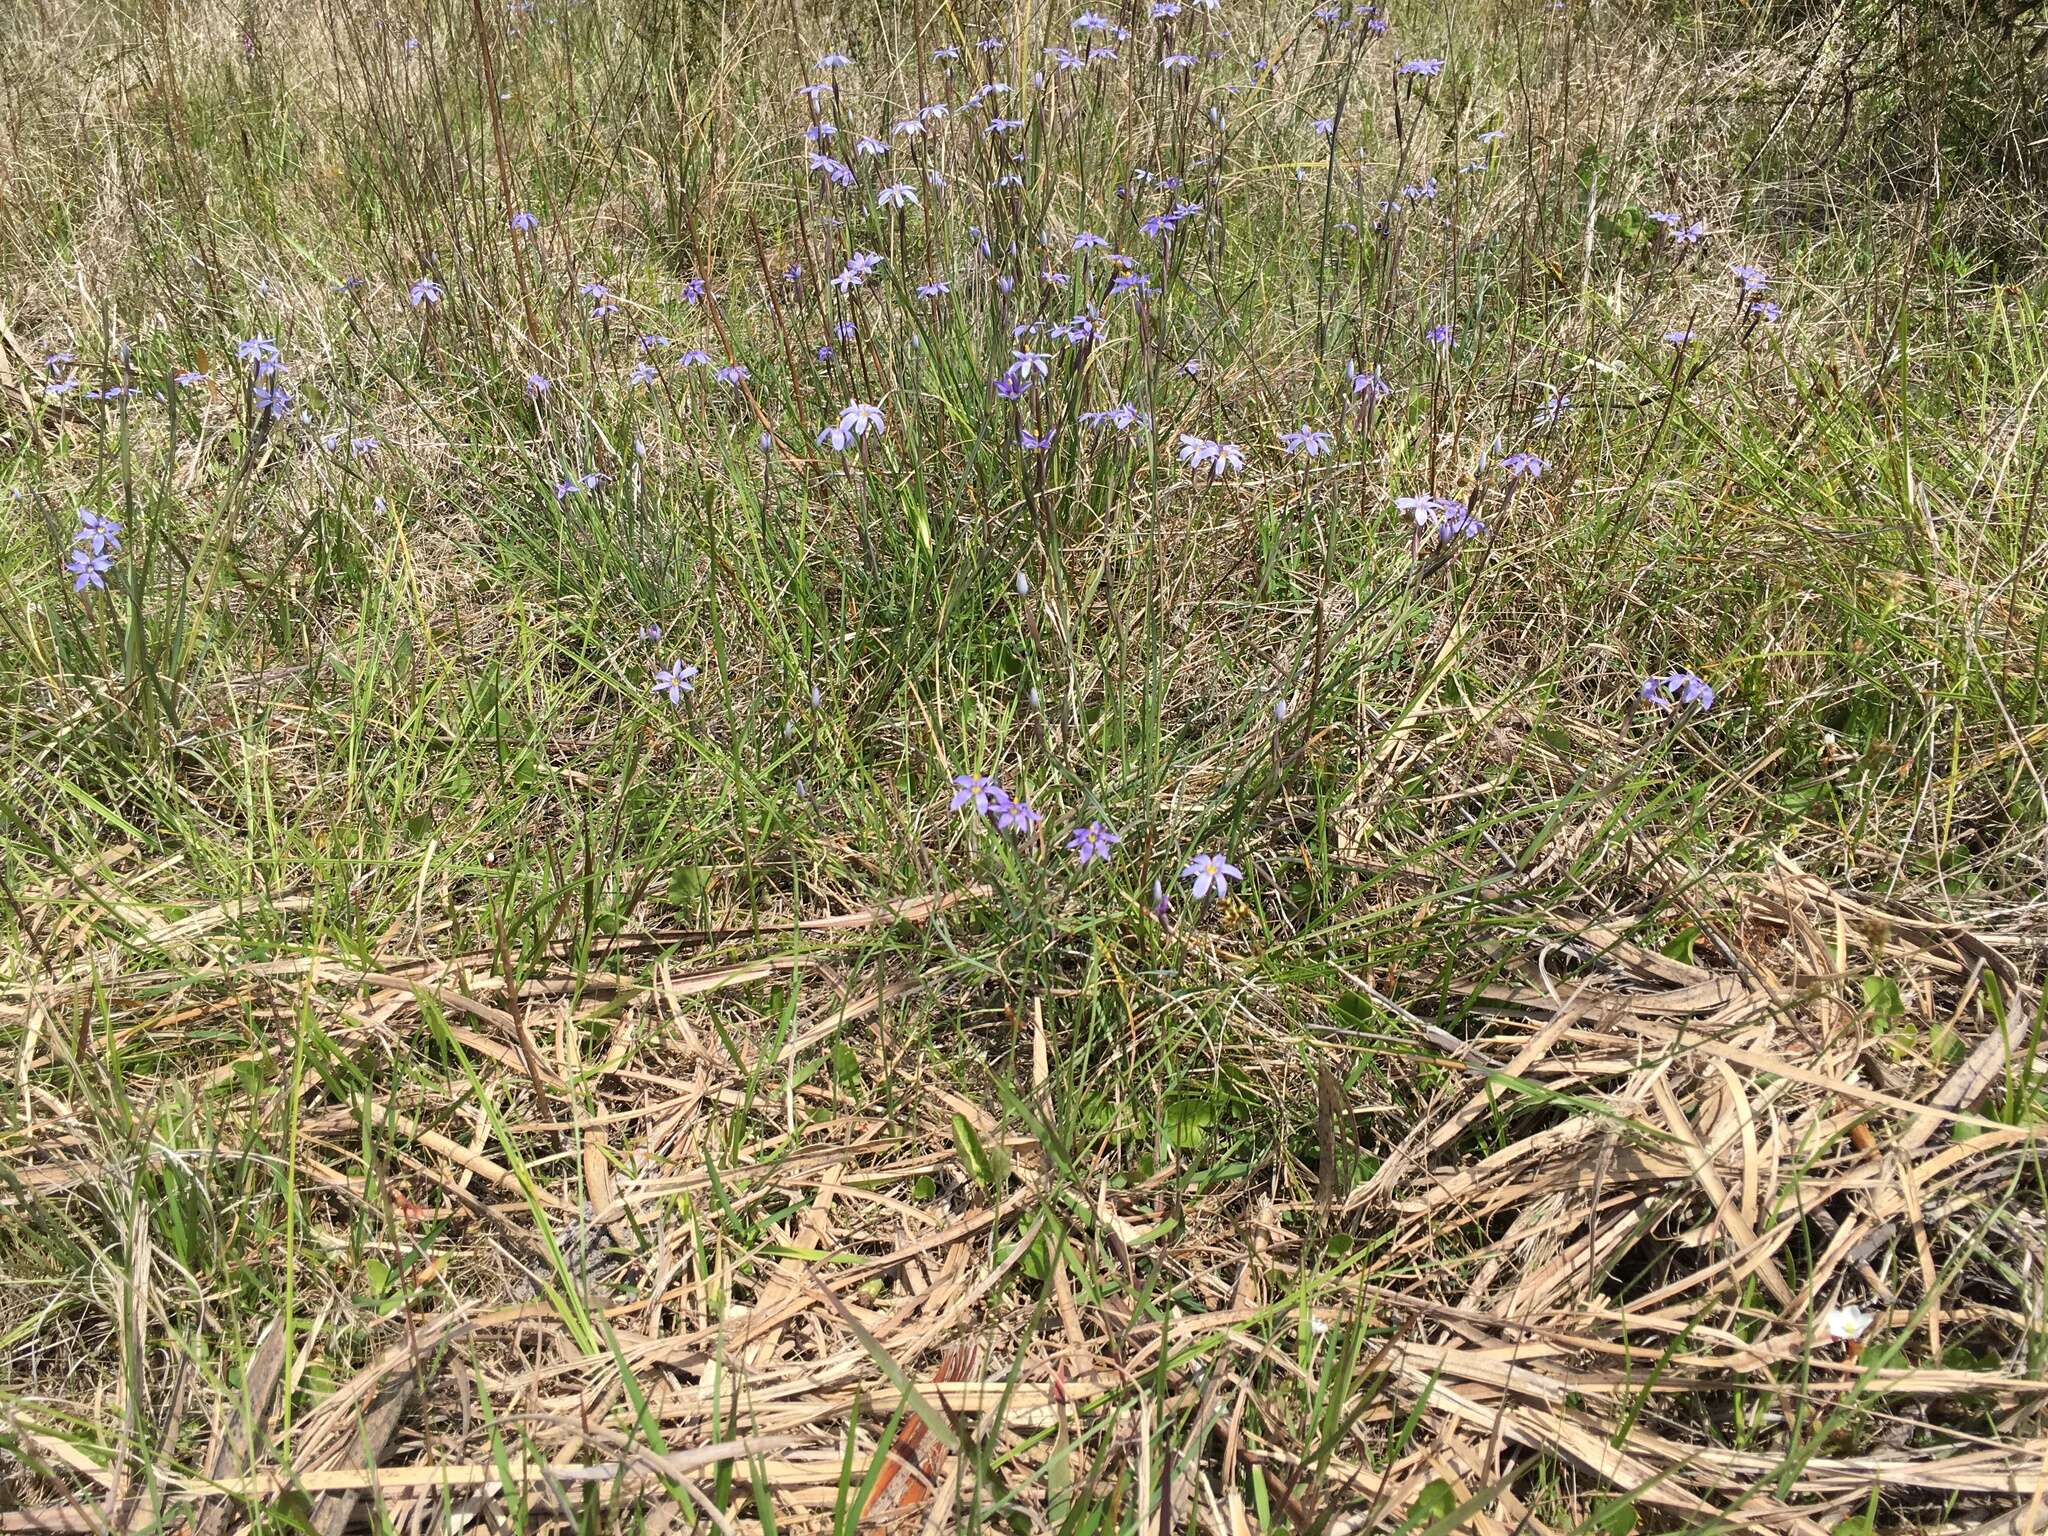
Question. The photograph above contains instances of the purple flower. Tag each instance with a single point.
(1029, 365)
(1219, 459)
(1551, 411)
(1439, 336)
(1455, 521)
(1677, 338)
(1678, 688)
(732, 373)
(675, 680)
(1524, 466)
(1035, 442)
(650, 634)
(1088, 240)
(1079, 331)
(256, 349)
(934, 290)
(1123, 418)
(1680, 230)
(188, 377)
(425, 291)
(839, 175)
(1009, 387)
(982, 793)
(1750, 279)
(1017, 816)
(97, 532)
(859, 267)
(1766, 311)
(693, 290)
(1306, 442)
(1161, 908)
(1211, 872)
(1428, 67)
(88, 568)
(642, 375)
(899, 194)
(858, 420)
(1092, 842)
(537, 385)
(522, 221)
(1367, 386)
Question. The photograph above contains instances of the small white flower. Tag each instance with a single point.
(1843, 1325)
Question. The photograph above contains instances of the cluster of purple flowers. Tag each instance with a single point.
(1091, 843)
(1206, 456)
(1673, 690)
(266, 386)
(894, 170)
(94, 543)
(1680, 230)
(985, 797)
(1451, 518)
